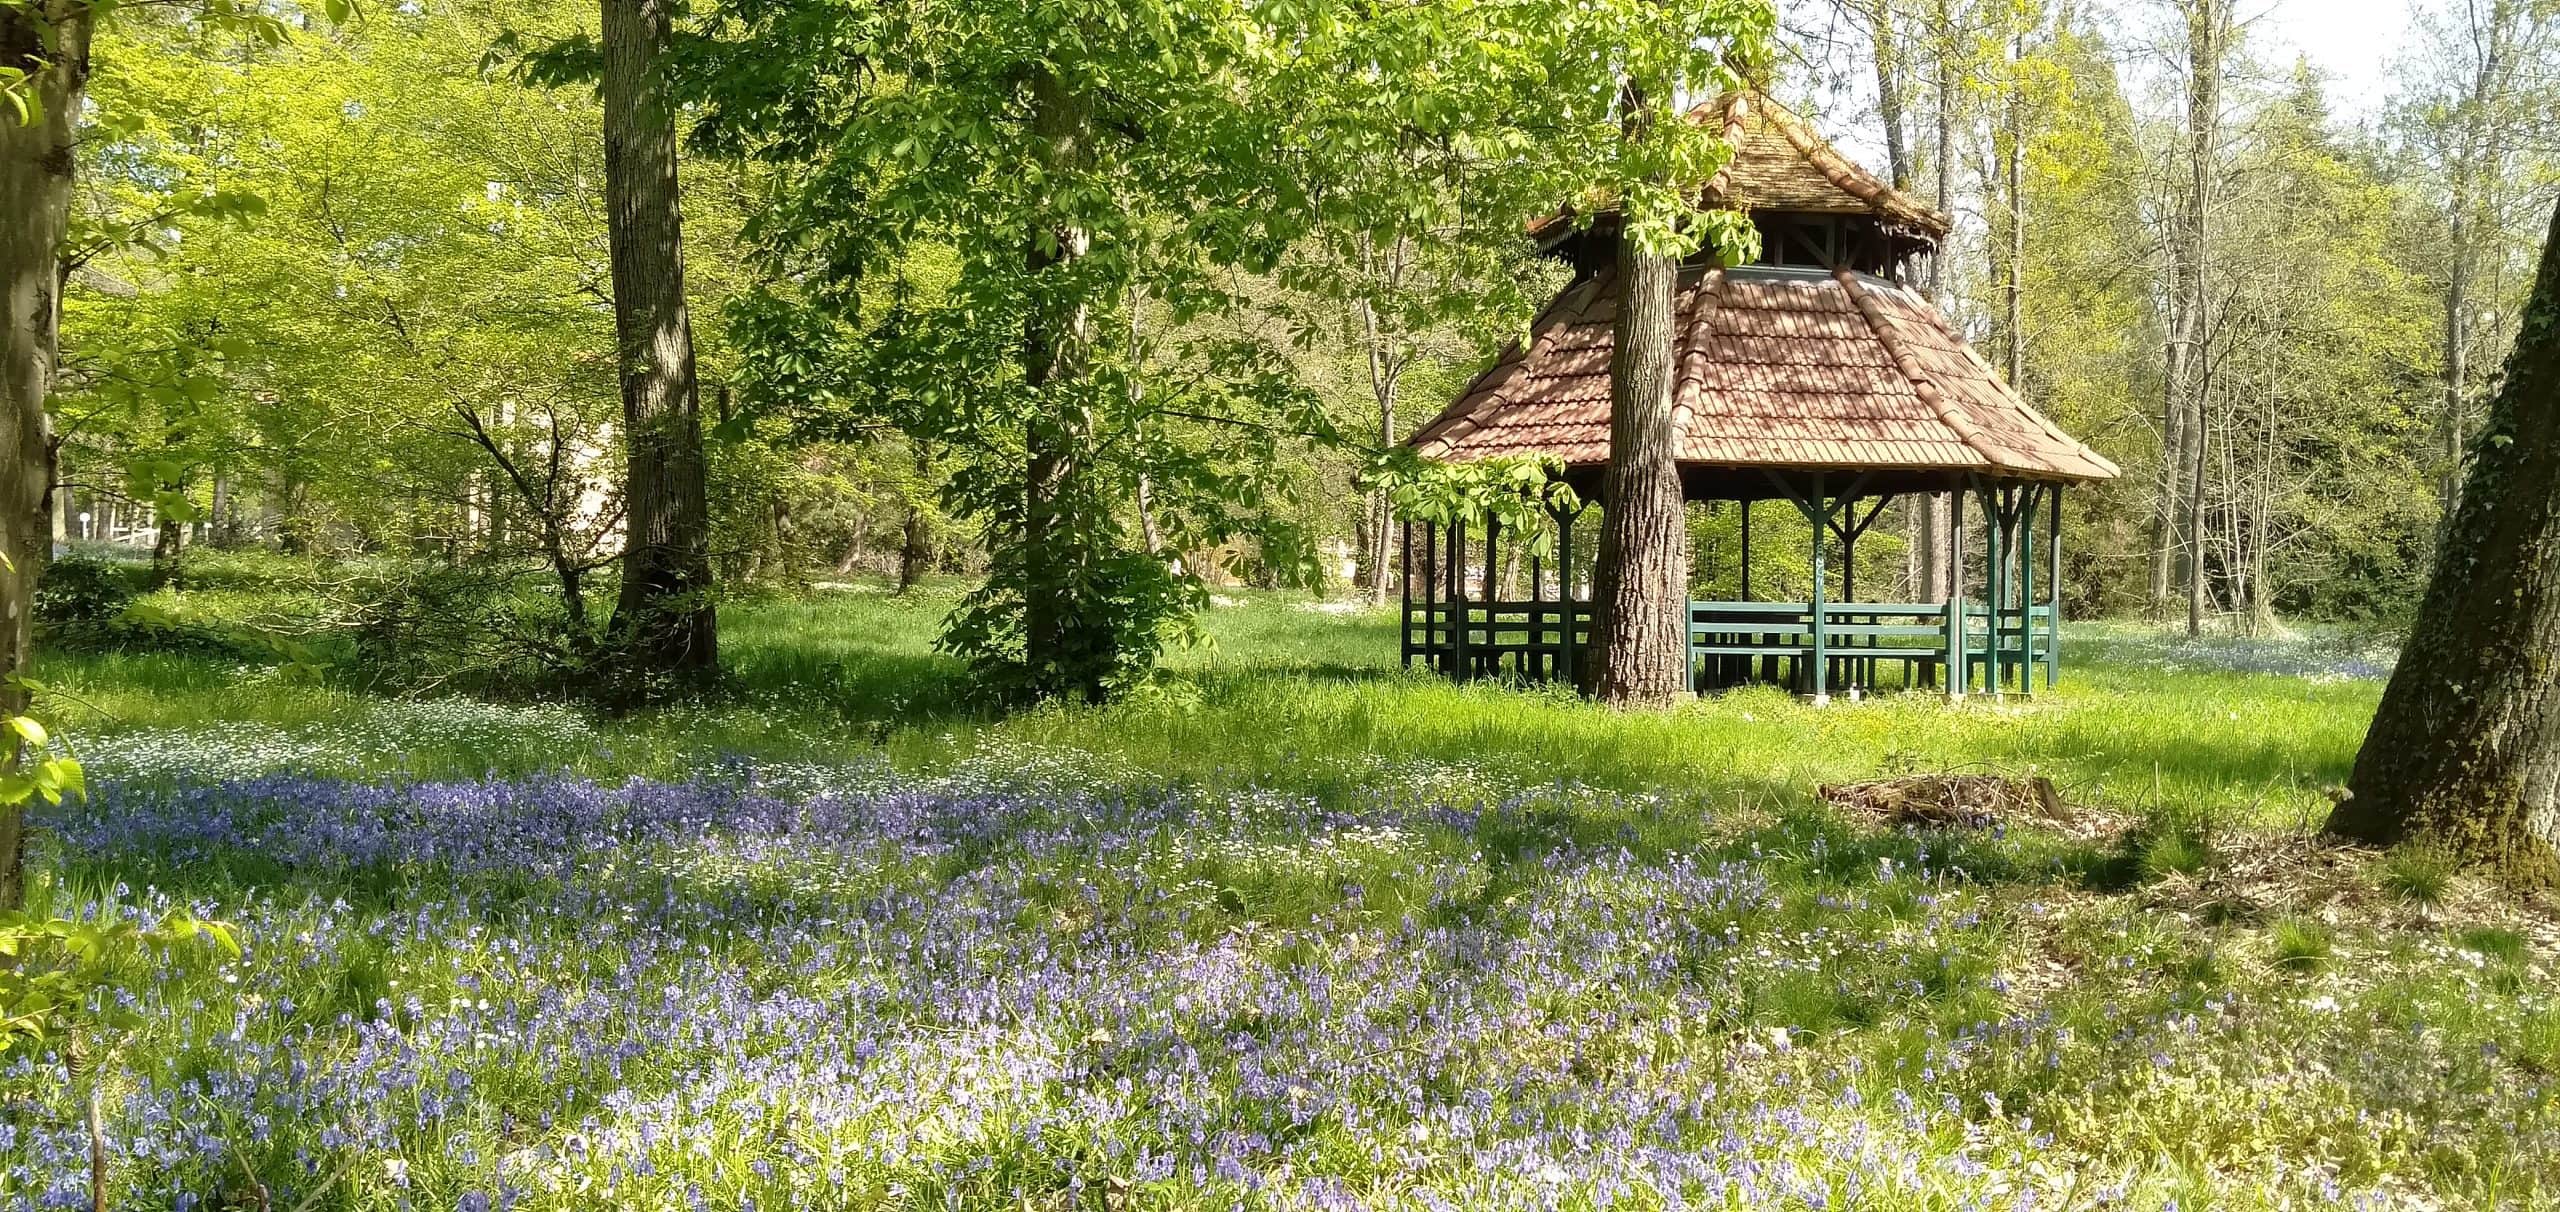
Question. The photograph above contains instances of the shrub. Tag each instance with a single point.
(495, 629)
(79, 596)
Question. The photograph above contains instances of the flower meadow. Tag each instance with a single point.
(1037, 981)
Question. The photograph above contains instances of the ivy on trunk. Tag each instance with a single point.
(2465, 751)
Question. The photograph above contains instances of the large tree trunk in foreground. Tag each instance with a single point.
(1640, 591)
(663, 623)
(2465, 751)
(35, 202)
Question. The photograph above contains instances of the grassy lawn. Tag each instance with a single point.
(1295, 929)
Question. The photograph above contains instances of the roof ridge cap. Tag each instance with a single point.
(1488, 390)
(2034, 414)
(1907, 365)
(1737, 110)
(1704, 300)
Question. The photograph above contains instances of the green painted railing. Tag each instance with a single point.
(1861, 645)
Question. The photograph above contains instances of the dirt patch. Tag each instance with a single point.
(2262, 874)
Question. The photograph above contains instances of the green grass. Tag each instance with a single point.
(1635, 897)
(1287, 695)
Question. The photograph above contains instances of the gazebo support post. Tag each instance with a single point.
(1567, 654)
(1458, 599)
(1959, 672)
(1846, 523)
(1817, 510)
(1404, 592)
(1426, 589)
(2053, 588)
(1493, 588)
(2027, 500)
(1746, 551)
(1995, 552)
(1534, 659)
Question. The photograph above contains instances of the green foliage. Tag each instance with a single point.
(1048, 220)
(50, 968)
(485, 628)
(1124, 608)
(33, 770)
(1518, 493)
(82, 596)
(53, 968)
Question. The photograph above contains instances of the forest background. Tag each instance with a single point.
(342, 290)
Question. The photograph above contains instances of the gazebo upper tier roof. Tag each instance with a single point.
(1780, 163)
(1790, 370)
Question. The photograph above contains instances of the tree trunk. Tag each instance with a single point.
(1385, 371)
(2015, 312)
(664, 621)
(915, 544)
(1937, 579)
(2166, 515)
(167, 544)
(2465, 750)
(1888, 57)
(1065, 651)
(49, 41)
(1640, 598)
(2206, 25)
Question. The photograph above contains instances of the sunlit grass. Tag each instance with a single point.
(1292, 693)
(1277, 932)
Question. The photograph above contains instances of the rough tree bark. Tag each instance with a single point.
(664, 623)
(1640, 591)
(2465, 750)
(1888, 59)
(49, 41)
(1060, 646)
(2208, 24)
(915, 539)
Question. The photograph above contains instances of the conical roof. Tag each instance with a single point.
(1781, 163)
(1776, 368)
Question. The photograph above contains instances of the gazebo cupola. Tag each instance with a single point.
(1812, 375)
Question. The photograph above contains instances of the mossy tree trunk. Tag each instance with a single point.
(1640, 591)
(2465, 751)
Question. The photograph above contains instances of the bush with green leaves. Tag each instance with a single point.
(80, 596)
(488, 629)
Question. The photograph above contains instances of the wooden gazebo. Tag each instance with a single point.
(1813, 376)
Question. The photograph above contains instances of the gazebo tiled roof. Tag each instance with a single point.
(1793, 369)
(1780, 368)
(1781, 163)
